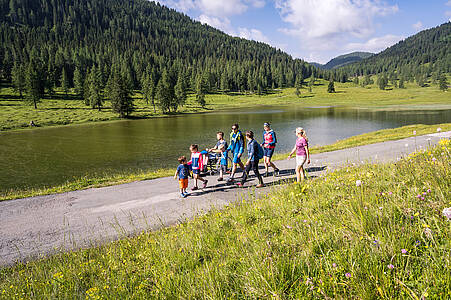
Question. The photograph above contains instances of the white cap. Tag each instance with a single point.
(299, 130)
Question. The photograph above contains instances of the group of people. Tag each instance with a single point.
(238, 143)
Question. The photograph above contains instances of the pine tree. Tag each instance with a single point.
(356, 80)
(224, 82)
(95, 89)
(200, 90)
(64, 82)
(18, 78)
(165, 92)
(149, 90)
(180, 92)
(331, 87)
(33, 85)
(79, 82)
(119, 94)
(443, 82)
(382, 81)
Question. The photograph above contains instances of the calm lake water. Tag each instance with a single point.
(51, 156)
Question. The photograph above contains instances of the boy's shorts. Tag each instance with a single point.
(223, 168)
(236, 159)
(268, 152)
(183, 183)
(196, 171)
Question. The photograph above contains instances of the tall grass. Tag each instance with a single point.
(383, 237)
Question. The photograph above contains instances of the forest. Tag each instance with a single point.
(107, 49)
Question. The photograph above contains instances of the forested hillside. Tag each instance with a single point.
(427, 53)
(82, 44)
(343, 60)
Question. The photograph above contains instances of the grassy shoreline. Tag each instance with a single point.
(359, 140)
(15, 115)
(328, 238)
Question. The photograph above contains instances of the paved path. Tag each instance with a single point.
(38, 226)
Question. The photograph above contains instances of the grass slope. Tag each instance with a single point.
(14, 114)
(327, 238)
(108, 180)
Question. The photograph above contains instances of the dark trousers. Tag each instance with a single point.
(254, 167)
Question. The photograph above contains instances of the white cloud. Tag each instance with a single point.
(219, 23)
(448, 3)
(216, 8)
(311, 19)
(418, 25)
(374, 45)
(257, 3)
(253, 34)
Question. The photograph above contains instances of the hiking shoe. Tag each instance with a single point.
(239, 184)
(186, 194)
(220, 179)
(182, 195)
(205, 184)
(195, 188)
(231, 179)
(260, 185)
(276, 172)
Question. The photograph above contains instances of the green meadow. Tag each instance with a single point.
(366, 232)
(59, 110)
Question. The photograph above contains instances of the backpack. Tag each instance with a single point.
(260, 153)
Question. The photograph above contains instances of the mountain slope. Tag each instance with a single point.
(139, 37)
(343, 60)
(431, 46)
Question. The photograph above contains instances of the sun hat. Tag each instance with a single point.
(299, 130)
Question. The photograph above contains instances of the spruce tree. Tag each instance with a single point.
(64, 82)
(119, 94)
(401, 83)
(33, 85)
(79, 82)
(224, 82)
(201, 90)
(18, 78)
(95, 89)
(443, 82)
(331, 87)
(180, 92)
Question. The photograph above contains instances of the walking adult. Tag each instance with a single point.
(252, 160)
(236, 147)
(302, 153)
(269, 145)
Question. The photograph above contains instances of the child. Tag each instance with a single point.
(196, 165)
(223, 164)
(252, 161)
(182, 173)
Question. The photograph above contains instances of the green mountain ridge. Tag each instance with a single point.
(343, 60)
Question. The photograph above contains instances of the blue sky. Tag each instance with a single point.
(318, 30)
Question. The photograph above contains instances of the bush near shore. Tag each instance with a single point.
(373, 231)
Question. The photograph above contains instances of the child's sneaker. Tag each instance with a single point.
(182, 195)
(259, 186)
(239, 184)
(276, 172)
(195, 188)
(231, 179)
(220, 179)
(205, 184)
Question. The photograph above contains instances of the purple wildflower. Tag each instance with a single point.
(429, 190)
(424, 193)
(390, 193)
(418, 196)
(334, 265)
(403, 251)
(422, 198)
(390, 266)
(348, 275)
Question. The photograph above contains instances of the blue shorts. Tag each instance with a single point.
(268, 152)
(196, 171)
(236, 159)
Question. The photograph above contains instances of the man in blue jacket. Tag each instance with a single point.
(252, 161)
(237, 148)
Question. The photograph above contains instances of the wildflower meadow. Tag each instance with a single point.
(371, 231)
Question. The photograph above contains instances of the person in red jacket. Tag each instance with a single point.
(269, 144)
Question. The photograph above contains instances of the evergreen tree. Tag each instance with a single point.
(165, 92)
(356, 80)
(149, 90)
(33, 85)
(311, 83)
(86, 88)
(95, 89)
(18, 79)
(331, 87)
(200, 90)
(79, 82)
(382, 81)
(224, 82)
(443, 82)
(401, 83)
(180, 92)
(64, 82)
(120, 96)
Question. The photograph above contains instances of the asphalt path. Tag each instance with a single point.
(34, 227)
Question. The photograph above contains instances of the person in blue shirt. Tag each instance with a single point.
(182, 173)
(236, 148)
(252, 160)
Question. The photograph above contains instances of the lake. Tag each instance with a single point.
(52, 156)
